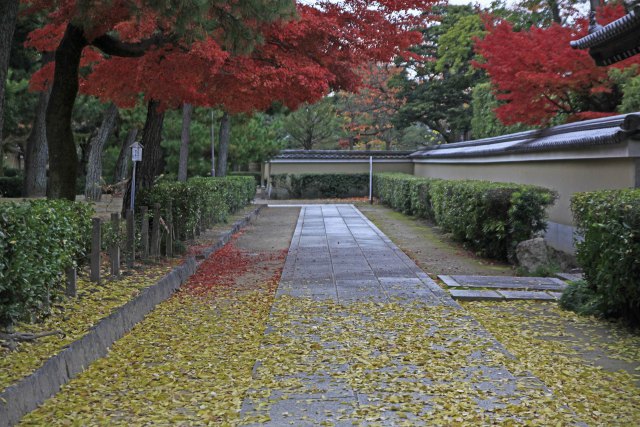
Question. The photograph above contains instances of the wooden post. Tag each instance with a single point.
(114, 250)
(144, 232)
(72, 288)
(131, 239)
(96, 244)
(169, 249)
(155, 231)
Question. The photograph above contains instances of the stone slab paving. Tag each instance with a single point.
(503, 282)
(527, 295)
(359, 335)
(475, 295)
(571, 277)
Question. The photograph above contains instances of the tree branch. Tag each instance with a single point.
(112, 46)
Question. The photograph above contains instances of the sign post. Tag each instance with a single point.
(213, 146)
(371, 179)
(136, 156)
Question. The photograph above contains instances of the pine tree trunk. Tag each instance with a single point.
(122, 164)
(8, 16)
(37, 153)
(187, 110)
(223, 151)
(151, 165)
(63, 159)
(93, 181)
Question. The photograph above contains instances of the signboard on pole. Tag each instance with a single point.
(136, 156)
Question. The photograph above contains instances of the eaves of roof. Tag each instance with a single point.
(609, 130)
(339, 155)
(614, 42)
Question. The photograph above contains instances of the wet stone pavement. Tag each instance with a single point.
(358, 334)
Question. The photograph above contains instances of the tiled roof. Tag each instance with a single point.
(606, 131)
(339, 155)
(614, 42)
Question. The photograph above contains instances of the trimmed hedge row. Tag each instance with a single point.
(489, 217)
(39, 239)
(319, 185)
(609, 221)
(256, 175)
(200, 202)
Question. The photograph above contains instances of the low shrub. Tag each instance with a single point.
(490, 218)
(11, 186)
(314, 186)
(394, 190)
(609, 222)
(39, 239)
(256, 175)
(199, 202)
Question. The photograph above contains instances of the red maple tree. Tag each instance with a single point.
(537, 75)
(170, 59)
(369, 112)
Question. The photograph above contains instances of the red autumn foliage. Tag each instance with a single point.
(299, 61)
(223, 268)
(369, 112)
(538, 75)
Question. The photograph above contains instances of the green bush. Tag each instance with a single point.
(313, 186)
(256, 175)
(199, 202)
(38, 240)
(394, 190)
(490, 218)
(609, 222)
(11, 186)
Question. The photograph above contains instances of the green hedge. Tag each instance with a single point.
(314, 185)
(200, 202)
(256, 175)
(38, 240)
(609, 222)
(11, 186)
(490, 218)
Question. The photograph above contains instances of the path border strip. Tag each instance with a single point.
(26, 395)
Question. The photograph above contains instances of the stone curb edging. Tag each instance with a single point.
(24, 396)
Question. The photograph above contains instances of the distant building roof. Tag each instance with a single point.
(614, 42)
(605, 131)
(339, 155)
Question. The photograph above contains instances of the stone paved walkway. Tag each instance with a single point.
(360, 335)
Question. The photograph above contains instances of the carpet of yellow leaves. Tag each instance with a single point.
(74, 317)
(188, 363)
(563, 350)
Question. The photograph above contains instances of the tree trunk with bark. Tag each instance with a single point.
(37, 152)
(63, 159)
(151, 165)
(8, 17)
(223, 151)
(187, 110)
(93, 181)
(122, 164)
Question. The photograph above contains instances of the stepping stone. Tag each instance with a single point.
(556, 295)
(470, 295)
(571, 277)
(526, 295)
(503, 282)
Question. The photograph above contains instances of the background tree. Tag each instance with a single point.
(94, 180)
(368, 113)
(438, 87)
(8, 17)
(313, 126)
